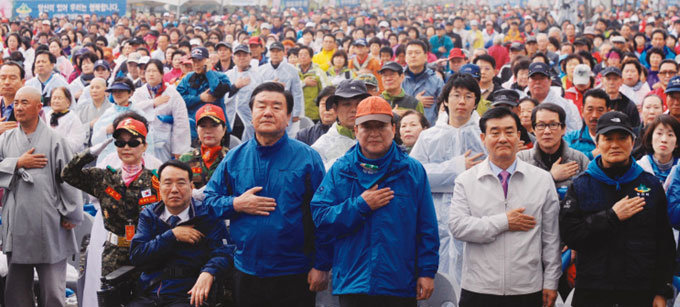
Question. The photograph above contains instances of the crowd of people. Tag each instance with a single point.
(518, 154)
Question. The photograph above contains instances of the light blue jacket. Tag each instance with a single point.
(427, 81)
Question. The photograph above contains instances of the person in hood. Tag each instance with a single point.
(376, 200)
(446, 150)
(615, 216)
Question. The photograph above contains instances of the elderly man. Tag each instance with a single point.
(612, 81)
(615, 216)
(185, 236)
(12, 76)
(46, 78)
(511, 237)
(264, 188)
(31, 158)
(673, 98)
(340, 137)
(286, 74)
(246, 78)
(373, 197)
(539, 89)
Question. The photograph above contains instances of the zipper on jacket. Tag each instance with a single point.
(504, 266)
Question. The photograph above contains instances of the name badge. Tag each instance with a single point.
(197, 170)
(129, 232)
(111, 192)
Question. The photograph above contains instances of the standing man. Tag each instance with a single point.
(328, 47)
(31, 157)
(246, 78)
(364, 62)
(539, 89)
(440, 42)
(264, 187)
(615, 216)
(376, 200)
(595, 104)
(203, 86)
(393, 76)
(279, 71)
(422, 82)
(512, 255)
(12, 76)
(225, 62)
(46, 79)
(611, 82)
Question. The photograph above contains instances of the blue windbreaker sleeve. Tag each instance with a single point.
(217, 195)
(146, 248)
(219, 256)
(323, 249)
(190, 98)
(335, 215)
(427, 231)
(673, 195)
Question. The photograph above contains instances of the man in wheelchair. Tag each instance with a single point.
(179, 246)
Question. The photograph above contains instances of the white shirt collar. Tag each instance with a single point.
(183, 216)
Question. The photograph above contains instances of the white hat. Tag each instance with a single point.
(134, 57)
(46, 22)
(582, 74)
(474, 23)
(194, 42)
(266, 26)
(144, 60)
(310, 25)
(384, 24)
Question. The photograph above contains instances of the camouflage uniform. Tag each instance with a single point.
(120, 205)
(201, 171)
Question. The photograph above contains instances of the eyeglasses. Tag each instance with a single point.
(552, 126)
(668, 72)
(132, 143)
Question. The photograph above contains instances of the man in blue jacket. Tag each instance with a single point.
(615, 216)
(264, 188)
(420, 81)
(375, 207)
(203, 86)
(179, 244)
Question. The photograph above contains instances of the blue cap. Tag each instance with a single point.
(119, 86)
(360, 42)
(539, 68)
(471, 69)
(101, 63)
(200, 53)
(611, 70)
(673, 85)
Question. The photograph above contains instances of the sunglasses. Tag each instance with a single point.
(132, 143)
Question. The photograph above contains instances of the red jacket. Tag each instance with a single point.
(500, 54)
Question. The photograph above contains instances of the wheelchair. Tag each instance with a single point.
(118, 289)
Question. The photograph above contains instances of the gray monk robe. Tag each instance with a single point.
(36, 199)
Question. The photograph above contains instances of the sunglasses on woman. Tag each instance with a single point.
(132, 143)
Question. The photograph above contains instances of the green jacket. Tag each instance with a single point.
(311, 92)
(120, 205)
(201, 172)
(403, 101)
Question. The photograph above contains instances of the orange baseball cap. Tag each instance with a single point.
(135, 127)
(373, 108)
(211, 111)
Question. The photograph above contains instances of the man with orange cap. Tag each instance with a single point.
(375, 207)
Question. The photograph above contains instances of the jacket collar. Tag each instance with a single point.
(485, 168)
(273, 148)
(598, 174)
(159, 208)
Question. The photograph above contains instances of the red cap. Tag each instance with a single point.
(255, 40)
(135, 127)
(212, 111)
(456, 53)
(373, 108)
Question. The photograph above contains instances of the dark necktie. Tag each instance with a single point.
(173, 221)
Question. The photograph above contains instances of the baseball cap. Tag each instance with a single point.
(589, 31)
(347, 89)
(614, 120)
(505, 97)
(242, 48)
(369, 79)
(531, 40)
(135, 127)
(618, 39)
(516, 46)
(134, 57)
(373, 108)
(456, 53)
(199, 53)
(46, 22)
(384, 24)
(360, 42)
(266, 26)
(276, 45)
(393, 66)
(539, 68)
(195, 42)
(119, 86)
(101, 63)
(255, 41)
(211, 111)
(223, 44)
(582, 74)
(144, 60)
(611, 70)
(471, 69)
(673, 85)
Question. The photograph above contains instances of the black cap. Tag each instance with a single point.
(242, 48)
(611, 70)
(505, 97)
(539, 68)
(531, 39)
(347, 89)
(276, 45)
(614, 120)
(393, 66)
(200, 53)
(223, 44)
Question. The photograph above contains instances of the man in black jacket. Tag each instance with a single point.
(611, 82)
(614, 215)
(393, 75)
